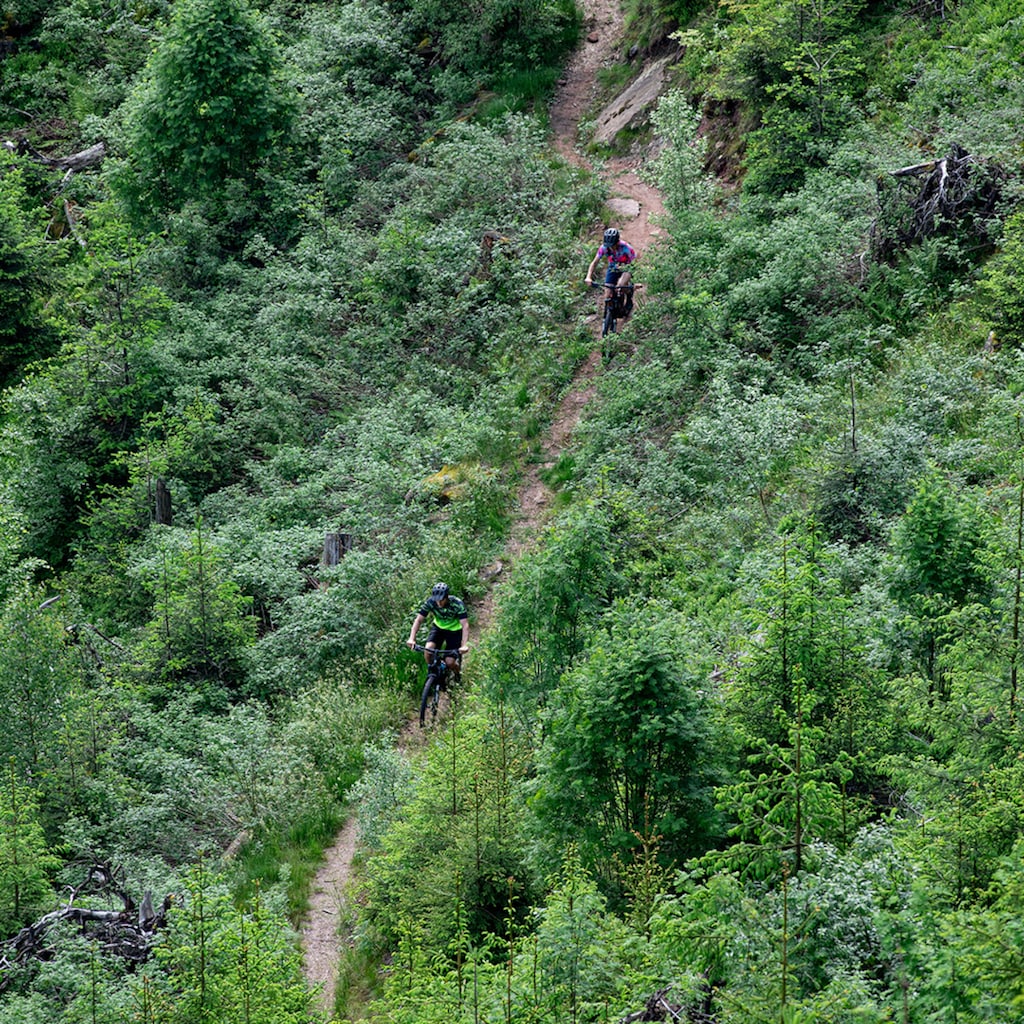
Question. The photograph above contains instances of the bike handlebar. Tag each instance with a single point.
(614, 287)
(443, 654)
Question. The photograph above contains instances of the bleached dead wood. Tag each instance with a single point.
(920, 200)
(73, 162)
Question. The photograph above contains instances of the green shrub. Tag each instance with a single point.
(1002, 286)
(211, 110)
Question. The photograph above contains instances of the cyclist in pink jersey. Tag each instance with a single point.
(620, 255)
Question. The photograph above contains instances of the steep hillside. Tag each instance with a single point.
(749, 713)
(742, 740)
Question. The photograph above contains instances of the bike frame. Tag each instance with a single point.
(437, 672)
(614, 308)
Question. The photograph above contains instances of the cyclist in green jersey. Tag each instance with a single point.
(449, 629)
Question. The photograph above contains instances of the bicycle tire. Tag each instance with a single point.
(429, 698)
(608, 327)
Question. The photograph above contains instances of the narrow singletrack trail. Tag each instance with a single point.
(636, 208)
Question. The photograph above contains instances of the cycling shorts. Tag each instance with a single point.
(445, 639)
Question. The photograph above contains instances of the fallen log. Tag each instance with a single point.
(73, 162)
(78, 161)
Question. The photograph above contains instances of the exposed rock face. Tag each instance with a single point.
(630, 108)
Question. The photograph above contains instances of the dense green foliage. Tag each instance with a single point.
(745, 729)
(210, 111)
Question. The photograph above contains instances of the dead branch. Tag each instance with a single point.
(128, 932)
(954, 193)
(660, 1007)
(928, 165)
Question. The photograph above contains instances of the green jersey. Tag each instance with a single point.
(450, 617)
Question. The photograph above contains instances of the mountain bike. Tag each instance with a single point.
(617, 306)
(438, 674)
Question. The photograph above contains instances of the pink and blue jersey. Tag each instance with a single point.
(618, 257)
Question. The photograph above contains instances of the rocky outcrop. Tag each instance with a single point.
(631, 108)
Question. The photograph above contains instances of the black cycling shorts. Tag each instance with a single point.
(445, 639)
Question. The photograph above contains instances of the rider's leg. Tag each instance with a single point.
(624, 282)
(428, 654)
(611, 279)
(449, 641)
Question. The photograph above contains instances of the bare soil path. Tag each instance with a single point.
(636, 207)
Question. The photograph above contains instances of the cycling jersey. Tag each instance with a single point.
(618, 257)
(447, 618)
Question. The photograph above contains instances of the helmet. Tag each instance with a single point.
(611, 237)
(439, 591)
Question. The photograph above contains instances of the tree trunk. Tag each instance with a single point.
(163, 514)
(336, 546)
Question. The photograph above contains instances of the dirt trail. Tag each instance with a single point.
(635, 207)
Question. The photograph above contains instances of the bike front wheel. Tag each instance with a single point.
(430, 697)
(608, 327)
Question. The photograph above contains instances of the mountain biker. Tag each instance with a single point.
(449, 630)
(619, 255)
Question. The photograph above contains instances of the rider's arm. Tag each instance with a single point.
(590, 270)
(465, 636)
(416, 623)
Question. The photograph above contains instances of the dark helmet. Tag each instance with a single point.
(439, 591)
(611, 237)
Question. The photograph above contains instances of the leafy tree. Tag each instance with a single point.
(818, 945)
(479, 41)
(1002, 289)
(110, 325)
(629, 747)
(975, 817)
(937, 568)
(938, 545)
(462, 827)
(211, 110)
(574, 962)
(785, 800)
(800, 63)
(37, 677)
(807, 659)
(987, 943)
(553, 607)
(679, 167)
(73, 418)
(199, 629)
